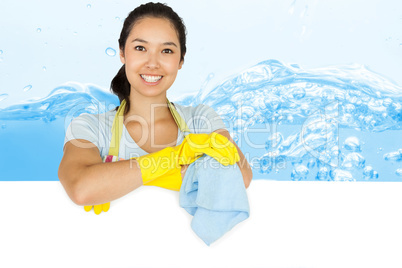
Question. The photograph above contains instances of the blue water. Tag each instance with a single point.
(341, 123)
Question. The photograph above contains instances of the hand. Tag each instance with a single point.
(213, 144)
(98, 208)
(163, 168)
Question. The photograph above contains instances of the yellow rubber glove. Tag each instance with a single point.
(163, 168)
(98, 208)
(213, 144)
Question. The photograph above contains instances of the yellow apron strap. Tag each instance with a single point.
(117, 130)
(178, 119)
(117, 127)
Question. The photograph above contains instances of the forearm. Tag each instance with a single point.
(102, 182)
(245, 169)
(243, 164)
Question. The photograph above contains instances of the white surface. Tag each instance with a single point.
(292, 224)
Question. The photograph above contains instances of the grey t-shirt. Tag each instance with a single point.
(96, 128)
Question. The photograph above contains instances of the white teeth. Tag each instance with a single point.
(150, 78)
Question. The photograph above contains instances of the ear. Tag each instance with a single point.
(181, 62)
(122, 59)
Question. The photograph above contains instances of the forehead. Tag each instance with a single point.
(152, 26)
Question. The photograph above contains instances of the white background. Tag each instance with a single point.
(292, 224)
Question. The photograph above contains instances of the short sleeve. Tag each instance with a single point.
(202, 119)
(86, 127)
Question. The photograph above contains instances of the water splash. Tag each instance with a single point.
(70, 99)
(314, 104)
(363, 97)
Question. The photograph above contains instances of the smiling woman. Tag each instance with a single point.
(151, 58)
(153, 139)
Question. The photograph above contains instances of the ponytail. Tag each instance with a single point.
(121, 87)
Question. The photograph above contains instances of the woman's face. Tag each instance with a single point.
(152, 56)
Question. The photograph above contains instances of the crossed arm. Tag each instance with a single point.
(87, 180)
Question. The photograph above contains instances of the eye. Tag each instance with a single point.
(167, 50)
(140, 48)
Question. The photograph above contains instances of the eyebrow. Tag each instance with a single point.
(143, 41)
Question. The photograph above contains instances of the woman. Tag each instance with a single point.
(152, 48)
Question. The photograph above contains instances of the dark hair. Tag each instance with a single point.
(120, 85)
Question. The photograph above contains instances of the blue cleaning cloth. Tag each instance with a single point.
(215, 195)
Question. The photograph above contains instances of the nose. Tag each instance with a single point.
(152, 60)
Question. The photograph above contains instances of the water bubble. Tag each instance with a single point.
(352, 144)
(298, 93)
(368, 172)
(3, 96)
(75, 33)
(399, 172)
(273, 141)
(265, 164)
(393, 156)
(387, 101)
(328, 94)
(44, 68)
(110, 52)
(89, 6)
(27, 88)
(299, 173)
(311, 163)
(38, 30)
(297, 162)
(322, 174)
(117, 18)
(341, 175)
(349, 108)
(1, 52)
(353, 161)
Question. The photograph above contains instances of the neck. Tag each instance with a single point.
(150, 109)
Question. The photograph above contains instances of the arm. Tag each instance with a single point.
(243, 163)
(88, 181)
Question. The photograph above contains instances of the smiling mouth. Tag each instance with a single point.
(151, 78)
